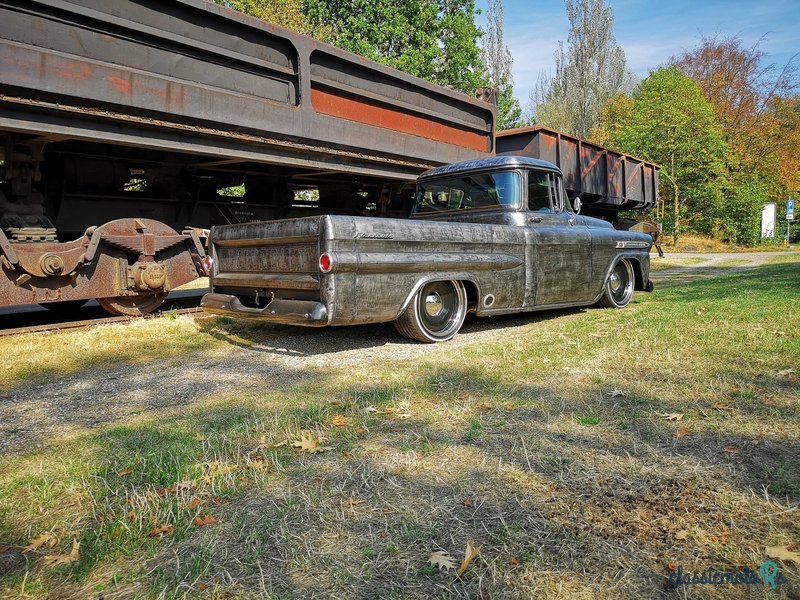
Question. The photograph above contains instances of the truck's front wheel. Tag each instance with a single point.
(618, 290)
(436, 312)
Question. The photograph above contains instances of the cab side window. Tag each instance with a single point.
(540, 197)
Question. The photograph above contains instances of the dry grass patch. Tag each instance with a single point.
(663, 264)
(37, 356)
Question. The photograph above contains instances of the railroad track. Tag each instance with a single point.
(92, 322)
(26, 320)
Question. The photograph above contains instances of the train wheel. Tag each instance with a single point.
(132, 306)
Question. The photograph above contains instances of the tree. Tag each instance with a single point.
(403, 35)
(497, 59)
(460, 65)
(285, 13)
(591, 71)
(743, 88)
(672, 123)
(436, 40)
(613, 118)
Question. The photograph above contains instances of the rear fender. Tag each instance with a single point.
(462, 276)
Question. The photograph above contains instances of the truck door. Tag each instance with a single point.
(559, 248)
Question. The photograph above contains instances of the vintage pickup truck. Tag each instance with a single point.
(491, 236)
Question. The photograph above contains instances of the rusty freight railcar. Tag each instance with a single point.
(606, 181)
(124, 124)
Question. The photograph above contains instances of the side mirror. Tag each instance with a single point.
(576, 205)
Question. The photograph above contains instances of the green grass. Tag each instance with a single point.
(540, 438)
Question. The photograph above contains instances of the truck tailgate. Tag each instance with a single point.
(270, 257)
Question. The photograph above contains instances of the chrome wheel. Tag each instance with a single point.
(618, 291)
(436, 312)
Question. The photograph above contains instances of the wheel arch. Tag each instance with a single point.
(470, 285)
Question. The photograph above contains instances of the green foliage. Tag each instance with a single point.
(434, 40)
(285, 13)
(671, 123)
(740, 218)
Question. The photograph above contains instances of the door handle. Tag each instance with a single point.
(534, 219)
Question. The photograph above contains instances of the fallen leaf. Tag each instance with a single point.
(340, 421)
(672, 566)
(785, 372)
(335, 402)
(682, 535)
(65, 559)
(470, 553)
(207, 520)
(616, 393)
(168, 490)
(370, 409)
(732, 449)
(386, 510)
(361, 430)
(310, 443)
(161, 530)
(722, 538)
(783, 553)
(216, 468)
(682, 432)
(355, 502)
(673, 416)
(131, 516)
(721, 406)
(259, 465)
(194, 503)
(485, 406)
(125, 472)
(39, 541)
(514, 561)
(442, 559)
(464, 396)
(468, 502)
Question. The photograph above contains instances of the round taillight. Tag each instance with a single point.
(325, 263)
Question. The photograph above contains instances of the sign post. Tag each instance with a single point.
(789, 217)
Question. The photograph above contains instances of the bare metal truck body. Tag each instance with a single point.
(491, 236)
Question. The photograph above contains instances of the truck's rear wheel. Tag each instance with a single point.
(436, 312)
(132, 306)
(618, 290)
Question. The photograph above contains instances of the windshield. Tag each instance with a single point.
(468, 192)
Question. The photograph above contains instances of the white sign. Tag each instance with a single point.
(790, 210)
(768, 221)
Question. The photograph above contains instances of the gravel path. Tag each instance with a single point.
(33, 415)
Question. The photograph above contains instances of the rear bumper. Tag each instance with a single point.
(285, 312)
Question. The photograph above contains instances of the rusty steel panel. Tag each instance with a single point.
(193, 76)
(603, 178)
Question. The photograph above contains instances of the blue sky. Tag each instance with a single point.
(649, 32)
